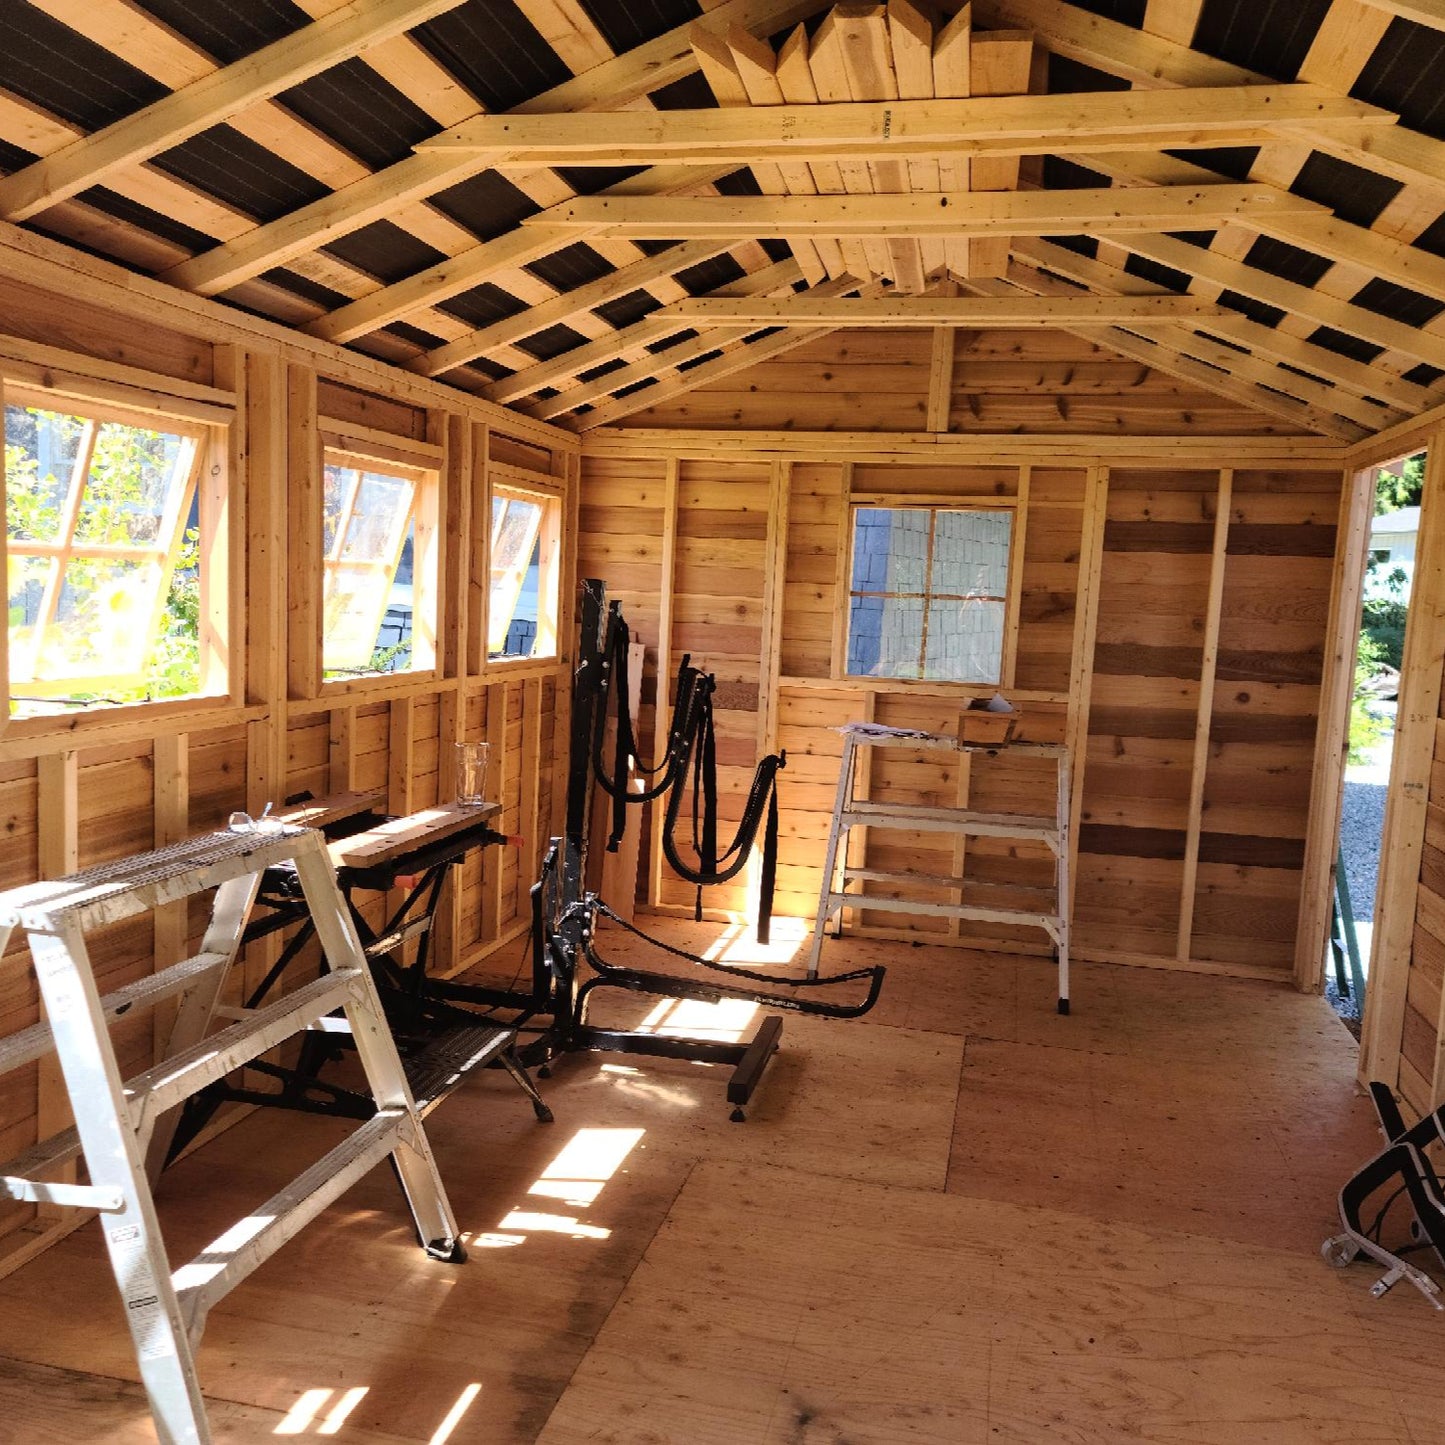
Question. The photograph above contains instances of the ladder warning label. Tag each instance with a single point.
(148, 1325)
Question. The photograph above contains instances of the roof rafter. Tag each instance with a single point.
(209, 100)
(1327, 403)
(637, 341)
(1361, 379)
(614, 83)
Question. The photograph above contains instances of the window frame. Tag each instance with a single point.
(421, 465)
(934, 503)
(514, 483)
(207, 427)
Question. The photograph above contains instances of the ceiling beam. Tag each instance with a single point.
(809, 309)
(904, 129)
(1358, 377)
(210, 100)
(567, 305)
(1004, 213)
(663, 362)
(612, 84)
(1275, 291)
(561, 369)
(1422, 12)
(1153, 61)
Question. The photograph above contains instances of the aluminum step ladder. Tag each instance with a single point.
(121, 1129)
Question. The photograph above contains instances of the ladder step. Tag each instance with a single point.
(442, 1066)
(953, 820)
(186, 1073)
(1049, 922)
(227, 1260)
(149, 880)
(35, 1042)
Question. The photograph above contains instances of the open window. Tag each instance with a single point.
(115, 555)
(378, 566)
(524, 559)
(928, 596)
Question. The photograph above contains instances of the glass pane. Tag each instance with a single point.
(336, 484)
(970, 554)
(382, 503)
(132, 474)
(518, 528)
(102, 620)
(367, 620)
(965, 641)
(890, 549)
(521, 635)
(27, 577)
(885, 637)
(40, 452)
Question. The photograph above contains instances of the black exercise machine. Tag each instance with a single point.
(565, 915)
(1406, 1165)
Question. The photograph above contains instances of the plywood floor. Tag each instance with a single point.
(957, 1220)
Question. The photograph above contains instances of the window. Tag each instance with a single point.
(928, 593)
(375, 542)
(522, 598)
(108, 540)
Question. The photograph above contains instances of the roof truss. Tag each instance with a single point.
(859, 136)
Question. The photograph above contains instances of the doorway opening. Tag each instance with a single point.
(1389, 576)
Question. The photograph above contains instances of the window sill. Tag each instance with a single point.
(102, 723)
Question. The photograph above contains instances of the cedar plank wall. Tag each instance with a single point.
(1193, 818)
(1003, 381)
(188, 765)
(1404, 1035)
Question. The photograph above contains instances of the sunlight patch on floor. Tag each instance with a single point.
(575, 1177)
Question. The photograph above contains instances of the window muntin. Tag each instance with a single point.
(928, 593)
(369, 536)
(103, 556)
(524, 555)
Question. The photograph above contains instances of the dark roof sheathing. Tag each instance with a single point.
(385, 251)
(235, 169)
(355, 107)
(51, 66)
(1270, 36)
(227, 30)
(1405, 75)
(1351, 192)
(626, 24)
(495, 51)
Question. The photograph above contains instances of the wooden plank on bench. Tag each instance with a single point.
(393, 839)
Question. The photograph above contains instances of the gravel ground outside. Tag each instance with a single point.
(1362, 822)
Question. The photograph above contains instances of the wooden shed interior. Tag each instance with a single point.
(340, 340)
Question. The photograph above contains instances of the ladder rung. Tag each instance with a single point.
(953, 820)
(224, 1263)
(1049, 922)
(35, 1042)
(189, 1071)
(134, 885)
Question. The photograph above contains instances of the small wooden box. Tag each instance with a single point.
(978, 726)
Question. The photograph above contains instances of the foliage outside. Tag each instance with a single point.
(129, 482)
(1383, 612)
